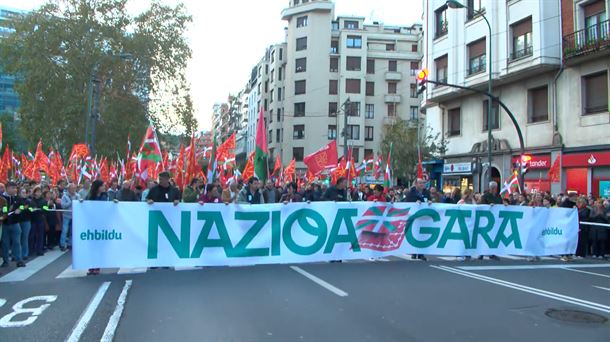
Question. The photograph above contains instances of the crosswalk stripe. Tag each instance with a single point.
(23, 273)
(446, 258)
(512, 257)
(70, 273)
(548, 258)
(136, 270)
(405, 257)
(186, 268)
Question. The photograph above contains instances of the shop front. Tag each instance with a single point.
(536, 179)
(457, 175)
(586, 172)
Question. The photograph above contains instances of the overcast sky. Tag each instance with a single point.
(229, 37)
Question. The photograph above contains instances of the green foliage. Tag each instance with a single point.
(140, 63)
(404, 152)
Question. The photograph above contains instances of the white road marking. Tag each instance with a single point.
(86, 316)
(113, 322)
(511, 257)
(446, 258)
(70, 273)
(23, 273)
(132, 270)
(405, 257)
(585, 272)
(532, 290)
(320, 282)
(530, 267)
(601, 288)
(32, 313)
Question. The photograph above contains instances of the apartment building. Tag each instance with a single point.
(303, 83)
(9, 99)
(533, 76)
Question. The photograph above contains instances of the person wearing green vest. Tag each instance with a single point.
(192, 191)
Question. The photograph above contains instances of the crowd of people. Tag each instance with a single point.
(37, 217)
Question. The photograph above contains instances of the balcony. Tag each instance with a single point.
(392, 98)
(393, 76)
(587, 41)
(523, 53)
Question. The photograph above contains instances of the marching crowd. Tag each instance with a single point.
(38, 217)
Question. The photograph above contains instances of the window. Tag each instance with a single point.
(352, 86)
(441, 21)
(333, 87)
(334, 46)
(300, 65)
(355, 154)
(473, 8)
(390, 47)
(279, 74)
(413, 91)
(277, 135)
(368, 154)
(302, 21)
(332, 109)
(477, 57)
(392, 66)
(298, 132)
(279, 115)
(441, 69)
(270, 136)
(334, 64)
(538, 104)
(370, 66)
(495, 115)
(266, 69)
(454, 122)
(335, 26)
(353, 109)
(271, 96)
(368, 133)
(391, 109)
(350, 24)
(266, 86)
(332, 132)
(370, 88)
(272, 75)
(414, 48)
(595, 93)
(522, 39)
(369, 111)
(353, 132)
(391, 87)
(279, 94)
(353, 63)
(595, 16)
(281, 54)
(413, 111)
(265, 106)
(414, 68)
(354, 42)
(299, 109)
(301, 43)
(297, 153)
(299, 87)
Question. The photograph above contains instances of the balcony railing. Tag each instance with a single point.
(587, 41)
(525, 52)
(441, 29)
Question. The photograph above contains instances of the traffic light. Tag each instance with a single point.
(422, 79)
(525, 163)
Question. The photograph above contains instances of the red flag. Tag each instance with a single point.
(150, 153)
(278, 165)
(377, 167)
(179, 175)
(555, 170)
(290, 171)
(79, 150)
(5, 165)
(324, 158)
(226, 150)
(41, 161)
(249, 169)
(192, 167)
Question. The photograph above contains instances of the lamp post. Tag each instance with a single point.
(457, 4)
(94, 100)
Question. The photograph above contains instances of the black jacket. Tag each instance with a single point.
(38, 213)
(413, 195)
(334, 194)
(127, 195)
(161, 194)
(12, 203)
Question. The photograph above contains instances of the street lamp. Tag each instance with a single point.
(457, 4)
(94, 100)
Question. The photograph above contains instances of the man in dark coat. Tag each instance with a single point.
(337, 192)
(418, 194)
(164, 191)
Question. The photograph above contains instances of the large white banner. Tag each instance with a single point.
(107, 234)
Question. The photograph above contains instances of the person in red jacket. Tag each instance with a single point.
(377, 195)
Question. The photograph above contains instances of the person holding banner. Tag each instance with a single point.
(337, 192)
(251, 193)
(39, 208)
(97, 193)
(164, 191)
(291, 194)
(418, 194)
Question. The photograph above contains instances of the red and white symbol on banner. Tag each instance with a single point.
(592, 160)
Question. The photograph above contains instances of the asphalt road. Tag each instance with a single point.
(394, 299)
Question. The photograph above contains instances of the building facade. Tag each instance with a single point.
(541, 75)
(336, 66)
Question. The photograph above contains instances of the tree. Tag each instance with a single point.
(140, 63)
(404, 152)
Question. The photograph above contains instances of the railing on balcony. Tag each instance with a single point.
(525, 52)
(588, 40)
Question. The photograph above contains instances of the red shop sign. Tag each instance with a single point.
(590, 159)
(537, 162)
